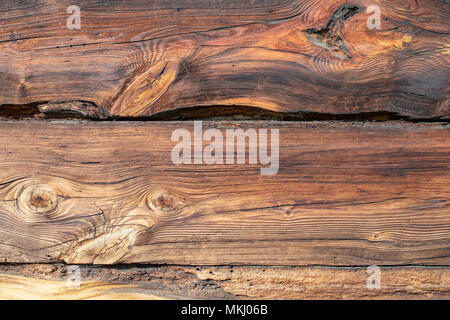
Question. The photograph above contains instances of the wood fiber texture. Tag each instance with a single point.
(108, 193)
(139, 58)
(107, 196)
(182, 282)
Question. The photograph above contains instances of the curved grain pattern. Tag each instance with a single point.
(138, 58)
(105, 193)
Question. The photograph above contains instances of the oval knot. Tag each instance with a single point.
(38, 200)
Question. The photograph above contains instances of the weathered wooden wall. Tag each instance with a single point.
(105, 194)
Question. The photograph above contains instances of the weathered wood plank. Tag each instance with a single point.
(137, 58)
(108, 192)
(51, 282)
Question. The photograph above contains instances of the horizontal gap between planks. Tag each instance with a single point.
(90, 111)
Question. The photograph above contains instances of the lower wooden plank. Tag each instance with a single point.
(140, 282)
(109, 192)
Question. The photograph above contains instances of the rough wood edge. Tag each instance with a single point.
(37, 281)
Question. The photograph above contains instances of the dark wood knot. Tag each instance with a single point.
(162, 202)
(38, 200)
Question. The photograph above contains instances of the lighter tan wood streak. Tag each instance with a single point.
(172, 282)
(14, 287)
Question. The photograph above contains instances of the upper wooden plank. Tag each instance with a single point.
(137, 58)
(108, 192)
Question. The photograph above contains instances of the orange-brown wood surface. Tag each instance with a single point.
(138, 58)
(108, 193)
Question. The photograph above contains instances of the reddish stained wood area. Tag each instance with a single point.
(138, 58)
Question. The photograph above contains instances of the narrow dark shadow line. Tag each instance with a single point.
(85, 110)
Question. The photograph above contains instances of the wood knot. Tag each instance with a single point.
(162, 202)
(38, 200)
(375, 237)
